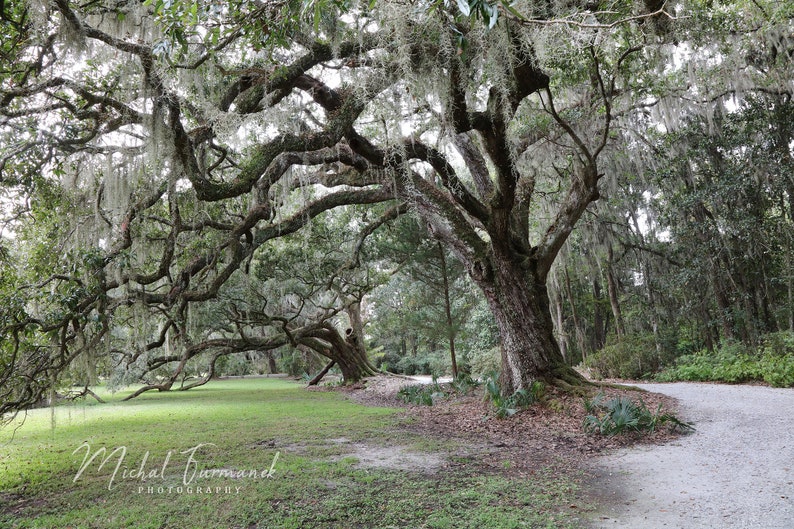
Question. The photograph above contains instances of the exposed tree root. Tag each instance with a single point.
(571, 381)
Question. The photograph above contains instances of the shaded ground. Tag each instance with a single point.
(537, 440)
(735, 471)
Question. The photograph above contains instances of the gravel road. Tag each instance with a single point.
(735, 471)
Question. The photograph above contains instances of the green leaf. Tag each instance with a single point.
(494, 16)
(512, 10)
(463, 5)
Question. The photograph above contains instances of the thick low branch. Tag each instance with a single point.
(449, 178)
(333, 200)
(583, 191)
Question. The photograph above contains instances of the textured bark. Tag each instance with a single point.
(319, 376)
(519, 300)
(600, 320)
(562, 339)
(723, 303)
(448, 312)
(354, 363)
(614, 300)
(347, 351)
(577, 325)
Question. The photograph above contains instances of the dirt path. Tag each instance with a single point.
(736, 471)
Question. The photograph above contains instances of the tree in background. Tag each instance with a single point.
(158, 147)
(155, 153)
(425, 305)
(696, 226)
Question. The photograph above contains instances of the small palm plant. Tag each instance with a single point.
(510, 405)
(621, 414)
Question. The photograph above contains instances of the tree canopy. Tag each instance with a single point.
(188, 180)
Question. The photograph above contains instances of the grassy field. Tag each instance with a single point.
(253, 454)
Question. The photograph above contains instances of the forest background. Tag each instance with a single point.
(194, 189)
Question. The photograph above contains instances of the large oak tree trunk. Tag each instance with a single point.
(519, 300)
(353, 362)
(347, 351)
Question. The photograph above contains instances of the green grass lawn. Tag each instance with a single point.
(249, 453)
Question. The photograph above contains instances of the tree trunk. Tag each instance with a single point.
(347, 351)
(579, 331)
(519, 301)
(562, 339)
(790, 261)
(789, 287)
(763, 298)
(448, 312)
(646, 274)
(709, 334)
(319, 376)
(354, 363)
(723, 304)
(614, 300)
(352, 360)
(599, 319)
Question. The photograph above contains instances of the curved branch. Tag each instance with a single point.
(449, 178)
(389, 215)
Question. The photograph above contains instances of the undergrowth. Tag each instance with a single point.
(733, 362)
(505, 406)
(427, 394)
(620, 415)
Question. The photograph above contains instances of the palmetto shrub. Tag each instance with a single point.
(620, 415)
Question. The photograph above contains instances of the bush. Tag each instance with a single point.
(693, 368)
(778, 344)
(427, 394)
(483, 362)
(621, 415)
(633, 357)
(464, 383)
(232, 365)
(435, 363)
(424, 394)
(413, 365)
(508, 406)
(734, 362)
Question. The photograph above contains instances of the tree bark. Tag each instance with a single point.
(789, 287)
(271, 363)
(614, 300)
(789, 261)
(723, 304)
(519, 300)
(600, 321)
(347, 351)
(708, 333)
(319, 376)
(562, 338)
(646, 274)
(448, 312)
(351, 358)
(577, 325)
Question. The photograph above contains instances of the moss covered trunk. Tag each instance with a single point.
(347, 351)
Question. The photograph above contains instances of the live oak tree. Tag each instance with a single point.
(153, 150)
